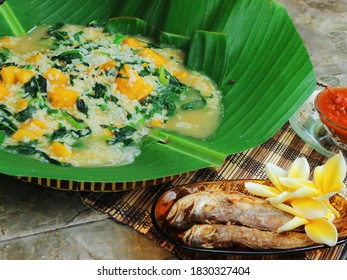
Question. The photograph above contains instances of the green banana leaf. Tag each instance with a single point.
(249, 47)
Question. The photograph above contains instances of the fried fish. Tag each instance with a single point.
(223, 208)
(227, 236)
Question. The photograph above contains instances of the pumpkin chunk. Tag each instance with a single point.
(132, 85)
(22, 104)
(157, 59)
(32, 130)
(63, 97)
(60, 150)
(8, 75)
(133, 43)
(108, 65)
(4, 92)
(55, 76)
(12, 74)
(24, 75)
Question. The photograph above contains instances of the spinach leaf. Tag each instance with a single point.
(81, 133)
(37, 84)
(167, 97)
(99, 90)
(93, 23)
(22, 148)
(30, 150)
(121, 135)
(62, 131)
(25, 114)
(4, 55)
(4, 110)
(75, 122)
(6, 64)
(7, 126)
(163, 76)
(145, 72)
(55, 27)
(51, 160)
(60, 35)
(114, 99)
(59, 133)
(68, 56)
(166, 100)
(118, 38)
(193, 100)
(77, 36)
(82, 106)
(54, 32)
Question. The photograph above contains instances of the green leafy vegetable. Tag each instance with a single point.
(7, 126)
(77, 36)
(168, 95)
(29, 149)
(75, 122)
(4, 110)
(121, 135)
(53, 31)
(68, 56)
(82, 106)
(23, 148)
(119, 38)
(25, 114)
(192, 99)
(37, 84)
(99, 90)
(62, 132)
(162, 76)
(4, 55)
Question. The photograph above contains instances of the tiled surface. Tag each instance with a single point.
(322, 25)
(40, 223)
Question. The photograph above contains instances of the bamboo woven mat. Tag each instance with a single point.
(133, 208)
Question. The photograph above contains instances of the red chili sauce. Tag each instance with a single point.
(332, 107)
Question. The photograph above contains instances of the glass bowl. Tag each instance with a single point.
(331, 105)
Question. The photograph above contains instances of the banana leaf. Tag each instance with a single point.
(249, 47)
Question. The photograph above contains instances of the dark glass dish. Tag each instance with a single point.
(165, 201)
